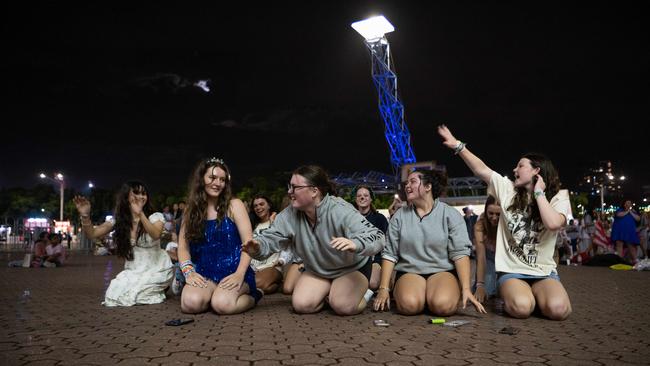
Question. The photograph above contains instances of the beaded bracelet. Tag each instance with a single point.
(187, 270)
(187, 267)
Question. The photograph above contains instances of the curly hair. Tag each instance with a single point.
(436, 179)
(124, 217)
(197, 205)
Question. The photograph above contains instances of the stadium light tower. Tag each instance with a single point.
(391, 108)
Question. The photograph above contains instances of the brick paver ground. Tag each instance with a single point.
(54, 317)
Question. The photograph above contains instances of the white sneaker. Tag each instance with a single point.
(368, 295)
(49, 264)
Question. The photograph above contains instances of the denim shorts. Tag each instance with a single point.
(530, 279)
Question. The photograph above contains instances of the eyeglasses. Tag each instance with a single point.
(291, 188)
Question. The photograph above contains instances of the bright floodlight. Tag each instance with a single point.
(90, 185)
(373, 28)
(59, 176)
(42, 175)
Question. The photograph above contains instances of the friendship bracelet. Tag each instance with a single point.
(480, 284)
(187, 272)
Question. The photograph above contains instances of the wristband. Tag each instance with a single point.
(537, 194)
(459, 147)
(383, 288)
(480, 284)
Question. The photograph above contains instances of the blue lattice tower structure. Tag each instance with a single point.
(384, 77)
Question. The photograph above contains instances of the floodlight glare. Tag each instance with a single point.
(373, 28)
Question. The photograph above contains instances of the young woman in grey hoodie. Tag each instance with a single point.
(429, 249)
(334, 240)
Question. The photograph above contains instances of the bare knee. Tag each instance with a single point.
(345, 306)
(192, 304)
(222, 305)
(443, 306)
(287, 289)
(409, 305)
(556, 309)
(305, 306)
(520, 306)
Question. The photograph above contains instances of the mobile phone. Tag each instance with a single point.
(177, 322)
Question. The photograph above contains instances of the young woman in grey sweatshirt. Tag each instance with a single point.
(334, 240)
(429, 248)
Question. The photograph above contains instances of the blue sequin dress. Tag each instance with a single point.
(217, 256)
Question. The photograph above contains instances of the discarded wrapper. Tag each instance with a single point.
(381, 323)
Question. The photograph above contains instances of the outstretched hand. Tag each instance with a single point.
(447, 138)
(82, 204)
(252, 247)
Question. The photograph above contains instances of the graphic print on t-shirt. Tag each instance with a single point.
(524, 238)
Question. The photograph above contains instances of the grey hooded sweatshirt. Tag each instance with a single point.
(334, 218)
(427, 244)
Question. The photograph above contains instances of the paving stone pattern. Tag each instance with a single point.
(54, 316)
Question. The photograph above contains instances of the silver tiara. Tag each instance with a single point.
(213, 160)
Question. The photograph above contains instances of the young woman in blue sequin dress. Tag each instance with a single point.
(217, 273)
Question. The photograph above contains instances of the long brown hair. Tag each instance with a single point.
(547, 171)
(197, 203)
(490, 230)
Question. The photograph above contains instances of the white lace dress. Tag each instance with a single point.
(145, 278)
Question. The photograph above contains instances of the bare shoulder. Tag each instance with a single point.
(236, 206)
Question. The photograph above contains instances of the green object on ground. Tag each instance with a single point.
(621, 267)
(437, 320)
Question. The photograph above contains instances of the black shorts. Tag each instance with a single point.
(426, 276)
(366, 270)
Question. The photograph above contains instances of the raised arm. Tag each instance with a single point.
(83, 207)
(153, 229)
(476, 165)
(551, 219)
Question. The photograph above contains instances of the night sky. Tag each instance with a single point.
(104, 93)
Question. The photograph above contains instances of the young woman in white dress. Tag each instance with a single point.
(148, 271)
